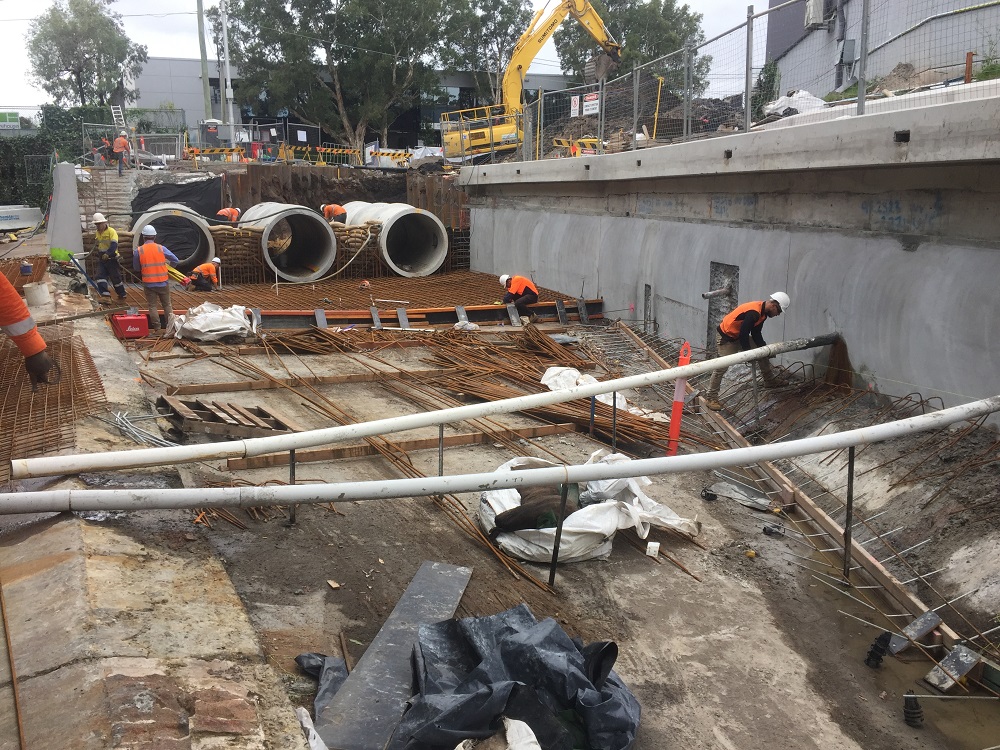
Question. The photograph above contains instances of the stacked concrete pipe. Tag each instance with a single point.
(177, 216)
(312, 248)
(413, 242)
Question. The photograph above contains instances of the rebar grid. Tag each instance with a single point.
(11, 268)
(41, 422)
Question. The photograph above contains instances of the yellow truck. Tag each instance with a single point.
(497, 129)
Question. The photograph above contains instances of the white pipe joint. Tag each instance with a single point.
(304, 246)
(179, 219)
(413, 242)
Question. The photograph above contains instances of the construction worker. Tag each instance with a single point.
(734, 335)
(150, 259)
(206, 276)
(334, 212)
(16, 322)
(108, 262)
(121, 150)
(228, 215)
(522, 293)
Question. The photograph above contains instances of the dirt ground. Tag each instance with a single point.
(753, 653)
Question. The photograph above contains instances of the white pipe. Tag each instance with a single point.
(413, 242)
(176, 215)
(312, 245)
(23, 468)
(145, 499)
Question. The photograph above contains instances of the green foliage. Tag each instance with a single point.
(835, 96)
(482, 37)
(351, 67)
(989, 68)
(646, 29)
(64, 126)
(14, 187)
(765, 89)
(80, 55)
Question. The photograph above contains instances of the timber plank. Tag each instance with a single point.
(179, 407)
(192, 389)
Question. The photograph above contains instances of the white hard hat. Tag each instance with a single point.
(504, 279)
(782, 299)
(216, 260)
(99, 218)
(149, 231)
(238, 211)
(323, 207)
(123, 133)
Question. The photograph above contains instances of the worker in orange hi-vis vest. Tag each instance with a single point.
(334, 212)
(522, 293)
(206, 276)
(16, 322)
(150, 259)
(736, 332)
(121, 149)
(229, 215)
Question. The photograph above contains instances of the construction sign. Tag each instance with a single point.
(10, 121)
(591, 104)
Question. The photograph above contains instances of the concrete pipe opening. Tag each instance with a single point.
(297, 243)
(181, 230)
(413, 242)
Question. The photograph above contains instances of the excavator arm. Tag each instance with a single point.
(540, 30)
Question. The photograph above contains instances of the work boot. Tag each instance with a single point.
(525, 320)
(713, 403)
(533, 318)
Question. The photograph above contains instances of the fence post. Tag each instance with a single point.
(539, 148)
(686, 131)
(635, 107)
(863, 60)
(600, 116)
(748, 90)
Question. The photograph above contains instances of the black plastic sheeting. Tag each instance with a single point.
(179, 236)
(471, 672)
(331, 672)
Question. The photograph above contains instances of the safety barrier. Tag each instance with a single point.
(228, 154)
(399, 157)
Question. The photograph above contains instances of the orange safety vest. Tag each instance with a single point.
(518, 284)
(208, 271)
(153, 263)
(731, 324)
(229, 214)
(121, 144)
(16, 322)
(333, 209)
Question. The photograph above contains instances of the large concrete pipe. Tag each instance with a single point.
(181, 230)
(413, 242)
(297, 243)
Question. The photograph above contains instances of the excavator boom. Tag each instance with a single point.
(484, 130)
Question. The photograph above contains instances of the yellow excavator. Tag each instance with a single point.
(496, 129)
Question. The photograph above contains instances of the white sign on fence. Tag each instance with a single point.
(574, 106)
(591, 104)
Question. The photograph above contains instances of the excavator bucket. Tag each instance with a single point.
(599, 67)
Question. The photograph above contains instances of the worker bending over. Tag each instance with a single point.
(108, 262)
(228, 215)
(121, 149)
(522, 293)
(150, 259)
(16, 322)
(734, 335)
(205, 277)
(334, 212)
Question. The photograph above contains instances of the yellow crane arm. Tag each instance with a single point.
(539, 31)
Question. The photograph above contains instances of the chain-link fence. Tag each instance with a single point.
(37, 168)
(800, 61)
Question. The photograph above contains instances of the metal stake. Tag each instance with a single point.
(559, 527)
(593, 404)
(850, 512)
(614, 422)
(441, 450)
(291, 480)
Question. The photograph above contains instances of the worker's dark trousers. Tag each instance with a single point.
(723, 348)
(521, 303)
(159, 294)
(201, 284)
(110, 270)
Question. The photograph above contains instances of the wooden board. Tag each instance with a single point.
(365, 711)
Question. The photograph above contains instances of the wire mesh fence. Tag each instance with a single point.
(800, 61)
(37, 168)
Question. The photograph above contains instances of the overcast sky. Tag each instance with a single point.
(169, 28)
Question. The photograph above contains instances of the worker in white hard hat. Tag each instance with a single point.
(735, 334)
(106, 250)
(205, 277)
(522, 292)
(121, 150)
(151, 259)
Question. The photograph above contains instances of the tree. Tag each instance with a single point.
(483, 38)
(80, 55)
(646, 29)
(765, 90)
(348, 66)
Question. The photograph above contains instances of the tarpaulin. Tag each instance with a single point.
(471, 672)
(201, 196)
